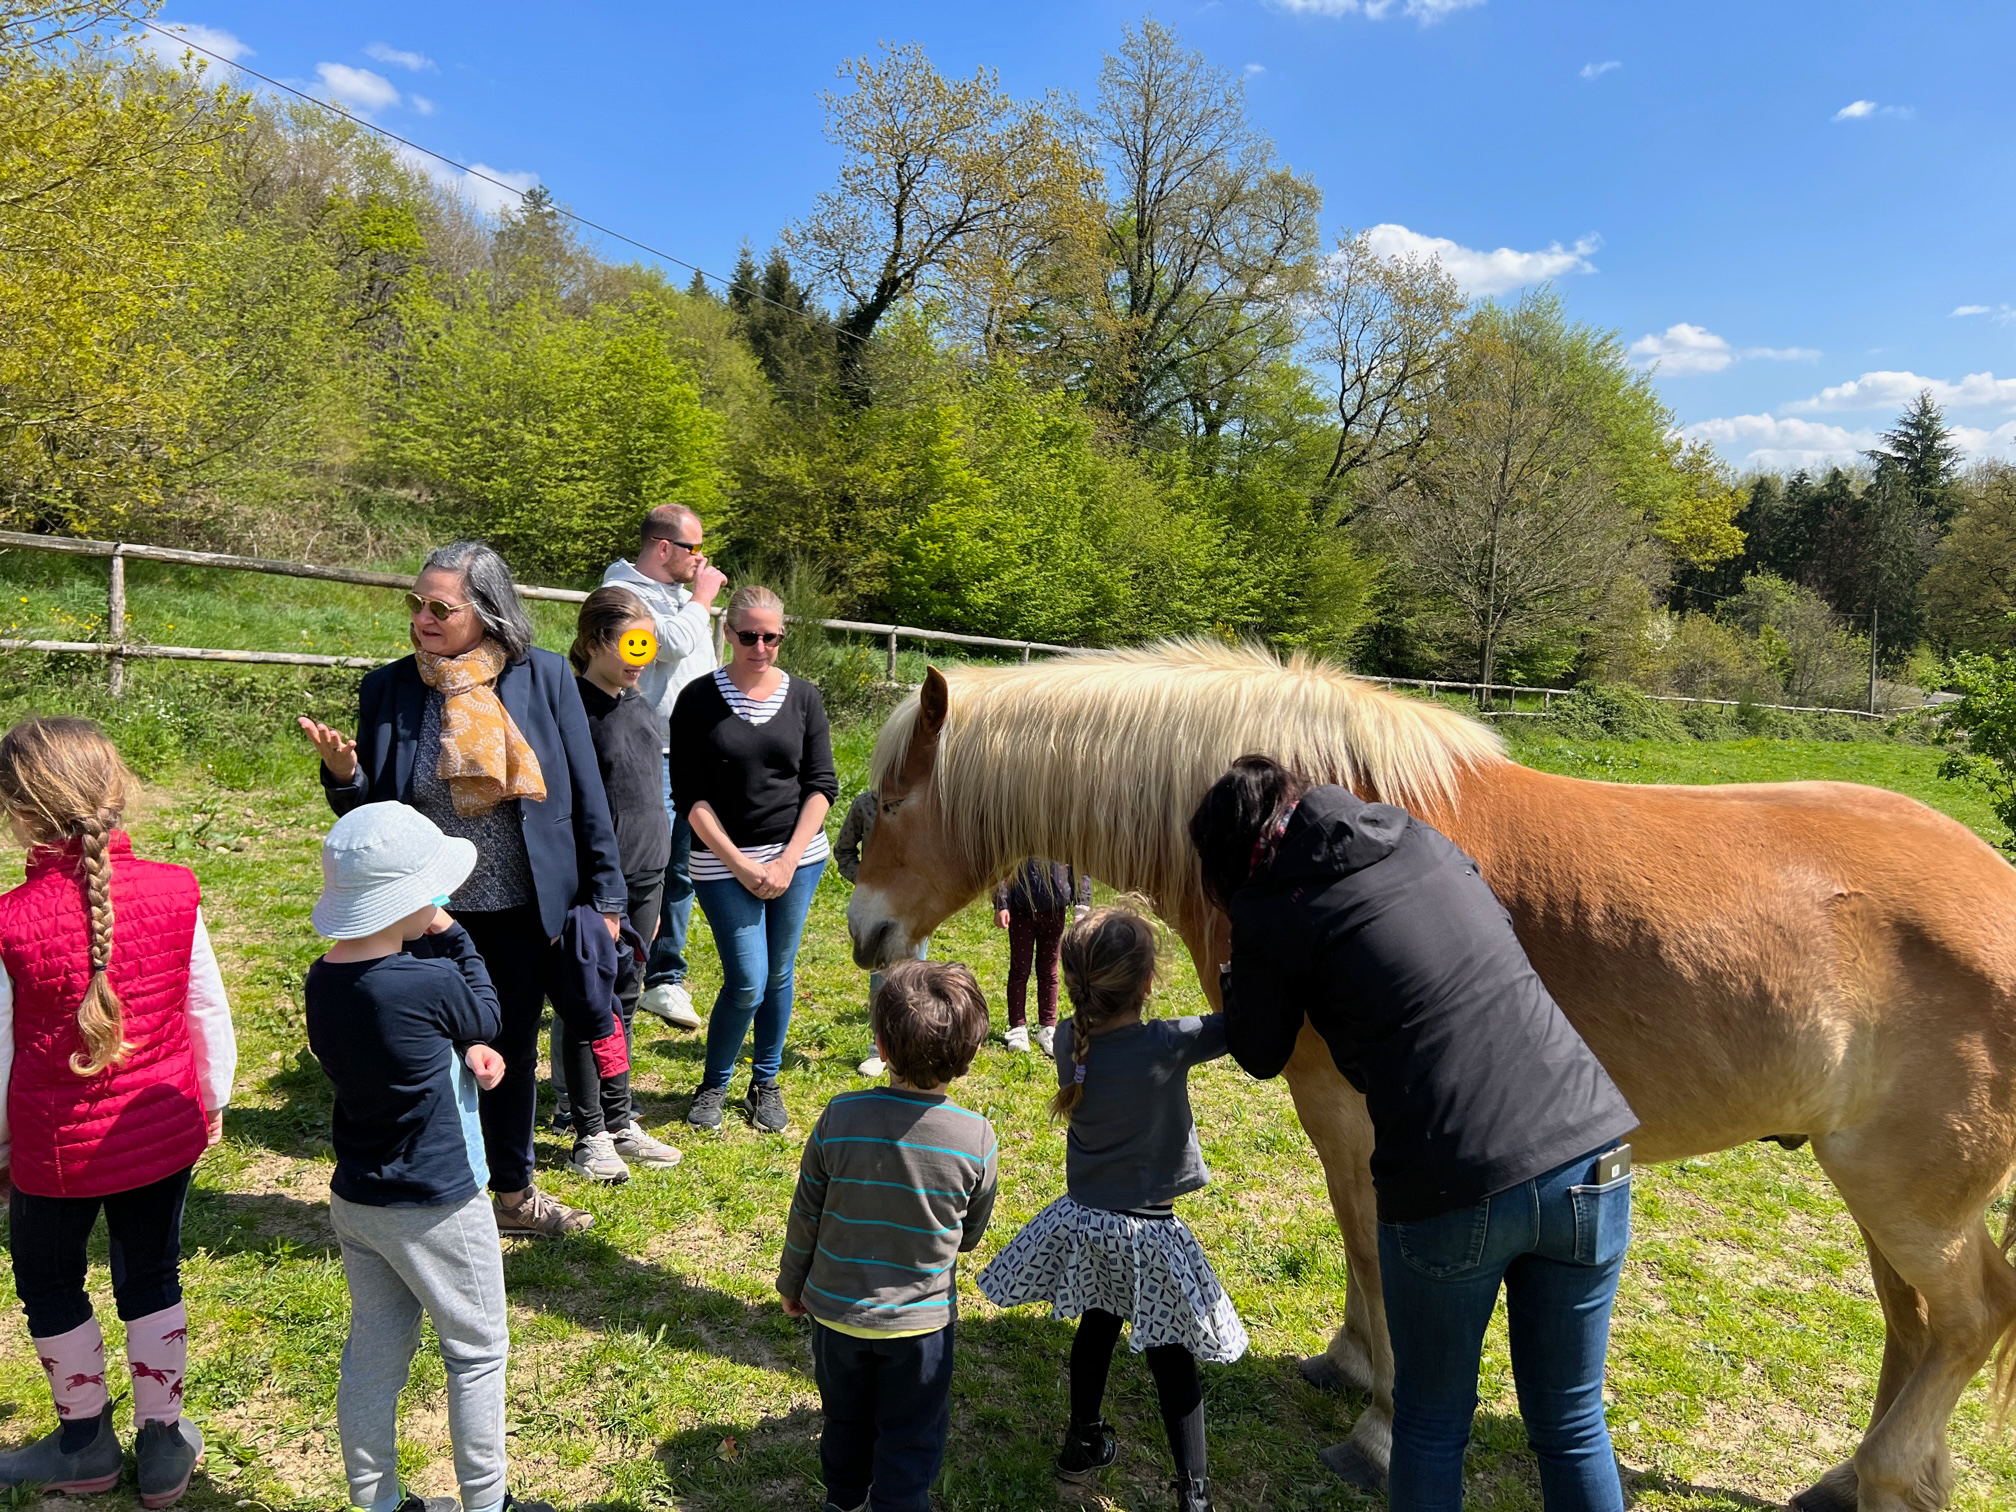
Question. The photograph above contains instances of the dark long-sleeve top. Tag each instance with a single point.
(391, 1035)
(1132, 1141)
(892, 1188)
(626, 732)
(1386, 937)
(1040, 886)
(569, 839)
(756, 777)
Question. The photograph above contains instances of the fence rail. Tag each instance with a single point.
(1480, 691)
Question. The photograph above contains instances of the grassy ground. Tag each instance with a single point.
(652, 1367)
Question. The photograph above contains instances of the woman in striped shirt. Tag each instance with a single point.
(752, 765)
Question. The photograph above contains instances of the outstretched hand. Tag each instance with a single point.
(487, 1065)
(337, 750)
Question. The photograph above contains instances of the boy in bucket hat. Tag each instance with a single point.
(399, 1014)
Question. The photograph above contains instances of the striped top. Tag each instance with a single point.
(892, 1188)
(705, 866)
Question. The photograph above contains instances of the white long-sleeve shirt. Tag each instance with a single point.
(685, 636)
(211, 1037)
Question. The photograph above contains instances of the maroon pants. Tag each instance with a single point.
(1033, 938)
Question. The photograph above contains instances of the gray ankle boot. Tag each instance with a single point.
(167, 1455)
(81, 1472)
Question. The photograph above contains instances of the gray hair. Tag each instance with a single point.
(490, 590)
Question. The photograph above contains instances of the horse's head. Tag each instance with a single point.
(912, 875)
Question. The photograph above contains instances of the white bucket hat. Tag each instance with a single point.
(382, 862)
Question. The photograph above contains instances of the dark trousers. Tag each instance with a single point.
(888, 1404)
(573, 1064)
(1177, 1388)
(46, 1240)
(522, 964)
(1033, 939)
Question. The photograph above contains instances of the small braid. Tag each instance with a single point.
(101, 1018)
(1108, 968)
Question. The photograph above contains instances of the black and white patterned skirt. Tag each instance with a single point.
(1150, 1271)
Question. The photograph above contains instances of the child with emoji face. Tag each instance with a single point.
(614, 641)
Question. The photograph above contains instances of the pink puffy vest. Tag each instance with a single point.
(134, 1123)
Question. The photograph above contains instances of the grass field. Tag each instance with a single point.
(653, 1368)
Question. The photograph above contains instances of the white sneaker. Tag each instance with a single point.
(671, 1002)
(595, 1157)
(1018, 1039)
(1046, 1039)
(639, 1148)
(873, 1066)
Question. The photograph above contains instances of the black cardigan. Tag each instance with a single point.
(755, 777)
(1388, 938)
(626, 733)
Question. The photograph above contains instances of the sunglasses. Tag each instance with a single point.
(435, 607)
(682, 545)
(767, 637)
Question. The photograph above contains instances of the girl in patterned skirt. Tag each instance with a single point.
(1112, 1250)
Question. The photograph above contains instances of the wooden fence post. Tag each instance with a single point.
(1025, 655)
(115, 625)
(892, 653)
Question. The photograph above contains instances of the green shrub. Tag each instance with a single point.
(1611, 711)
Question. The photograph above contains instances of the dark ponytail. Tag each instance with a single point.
(1238, 822)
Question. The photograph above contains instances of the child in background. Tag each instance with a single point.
(116, 1058)
(1034, 903)
(1112, 1250)
(400, 1013)
(626, 735)
(854, 832)
(895, 1184)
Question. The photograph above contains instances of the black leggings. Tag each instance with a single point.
(1177, 1387)
(46, 1239)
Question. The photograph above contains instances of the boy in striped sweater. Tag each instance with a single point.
(895, 1183)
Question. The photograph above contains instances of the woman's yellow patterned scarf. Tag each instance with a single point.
(484, 757)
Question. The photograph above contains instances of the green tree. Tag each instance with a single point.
(1981, 731)
(1970, 590)
(1921, 455)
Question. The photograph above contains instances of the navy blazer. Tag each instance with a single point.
(569, 838)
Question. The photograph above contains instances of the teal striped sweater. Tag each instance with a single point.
(892, 1187)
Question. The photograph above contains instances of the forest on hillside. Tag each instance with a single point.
(1086, 371)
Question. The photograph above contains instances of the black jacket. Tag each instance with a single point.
(626, 733)
(568, 837)
(755, 777)
(1041, 886)
(1385, 935)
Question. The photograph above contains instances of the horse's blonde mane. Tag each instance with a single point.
(1098, 758)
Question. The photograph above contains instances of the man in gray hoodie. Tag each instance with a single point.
(678, 585)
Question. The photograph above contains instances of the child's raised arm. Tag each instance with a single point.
(480, 1019)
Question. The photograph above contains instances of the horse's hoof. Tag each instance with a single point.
(1349, 1464)
(1836, 1491)
(1324, 1373)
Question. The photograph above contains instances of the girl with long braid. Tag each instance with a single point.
(1112, 1251)
(116, 1057)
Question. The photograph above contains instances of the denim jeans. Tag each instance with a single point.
(757, 941)
(1557, 1244)
(667, 960)
(887, 1404)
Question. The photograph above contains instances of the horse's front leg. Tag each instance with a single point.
(1336, 1122)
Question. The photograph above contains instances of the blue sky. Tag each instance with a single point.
(1802, 211)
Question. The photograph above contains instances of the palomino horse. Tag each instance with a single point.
(1748, 961)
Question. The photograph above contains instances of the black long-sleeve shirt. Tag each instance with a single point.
(756, 777)
(625, 730)
(391, 1035)
(1386, 936)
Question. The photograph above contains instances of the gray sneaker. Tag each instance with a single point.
(167, 1455)
(640, 1149)
(707, 1105)
(595, 1157)
(765, 1107)
(82, 1472)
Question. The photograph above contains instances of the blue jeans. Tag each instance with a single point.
(1557, 1244)
(888, 1404)
(758, 945)
(667, 961)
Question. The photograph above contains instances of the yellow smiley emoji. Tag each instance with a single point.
(637, 647)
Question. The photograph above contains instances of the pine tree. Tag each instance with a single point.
(1921, 454)
(698, 288)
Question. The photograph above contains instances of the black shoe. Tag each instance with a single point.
(429, 1504)
(1191, 1496)
(167, 1455)
(513, 1504)
(1086, 1452)
(765, 1107)
(707, 1105)
(78, 1472)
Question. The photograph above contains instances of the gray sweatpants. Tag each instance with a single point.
(400, 1262)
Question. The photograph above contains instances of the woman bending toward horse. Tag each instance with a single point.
(1495, 1159)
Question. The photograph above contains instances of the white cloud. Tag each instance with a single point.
(1255, 68)
(1777, 444)
(421, 103)
(1863, 110)
(412, 61)
(210, 38)
(1684, 349)
(1999, 443)
(1891, 391)
(479, 195)
(1427, 12)
(358, 88)
(1480, 273)
(1972, 309)
(1597, 70)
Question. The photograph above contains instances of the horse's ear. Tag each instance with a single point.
(933, 700)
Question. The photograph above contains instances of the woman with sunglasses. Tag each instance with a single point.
(485, 735)
(752, 767)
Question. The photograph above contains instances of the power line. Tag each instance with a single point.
(727, 284)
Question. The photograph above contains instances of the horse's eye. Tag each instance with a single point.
(890, 805)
